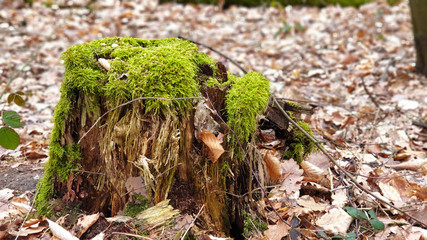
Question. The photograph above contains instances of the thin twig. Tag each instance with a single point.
(347, 174)
(192, 222)
(31, 209)
(129, 102)
(370, 95)
(216, 51)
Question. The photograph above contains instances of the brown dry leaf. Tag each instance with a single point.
(336, 221)
(374, 148)
(390, 192)
(213, 143)
(312, 171)
(268, 135)
(21, 204)
(292, 183)
(309, 202)
(419, 165)
(320, 160)
(135, 185)
(84, 223)
(273, 167)
(396, 231)
(60, 232)
(298, 211)
(402, 155)
(339, 198)
(338, 119)
(35, 155)
(420, 214)
(25, 231)
(32, 222)
(276, 232)
(400, 186)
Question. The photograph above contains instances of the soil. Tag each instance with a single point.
(20, 177)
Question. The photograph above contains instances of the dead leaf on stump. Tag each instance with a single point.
(213, 143)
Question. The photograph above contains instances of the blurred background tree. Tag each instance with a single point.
(419, 26)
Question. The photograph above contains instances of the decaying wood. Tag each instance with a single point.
(166, 150)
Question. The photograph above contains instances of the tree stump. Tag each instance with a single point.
(170, 138)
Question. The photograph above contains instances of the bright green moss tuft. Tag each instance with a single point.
(247, 98)
(62, 160)
(138, 204)
(300, 146)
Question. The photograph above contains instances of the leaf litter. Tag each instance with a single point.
(355, 65)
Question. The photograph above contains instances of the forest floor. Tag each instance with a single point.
(356, 65)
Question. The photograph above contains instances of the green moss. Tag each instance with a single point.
(300, 145)
(247, 98)
(293, 105)
(138, 204)
(62, 160)
(252, 225)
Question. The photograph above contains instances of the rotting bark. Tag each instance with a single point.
(156, 139)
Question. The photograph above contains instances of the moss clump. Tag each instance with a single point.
(247, 98)
(300, 145)
(138, 204)
(60, 164)
(252, 225)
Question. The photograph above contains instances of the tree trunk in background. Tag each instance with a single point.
(419, 22)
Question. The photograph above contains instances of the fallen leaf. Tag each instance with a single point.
(339, 198)
(390, 192)
(419, 165)
(272, 165)
(60, 232)
(292, 183)
(336, 221)
(276, 232)
(308, 202)
(312, 171)
(84, 223)
(135, 185)
(213, 143)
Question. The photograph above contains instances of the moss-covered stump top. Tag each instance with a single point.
(137, 67)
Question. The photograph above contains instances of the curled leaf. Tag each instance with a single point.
(312, 171)
(213, 143)
(272, 165)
